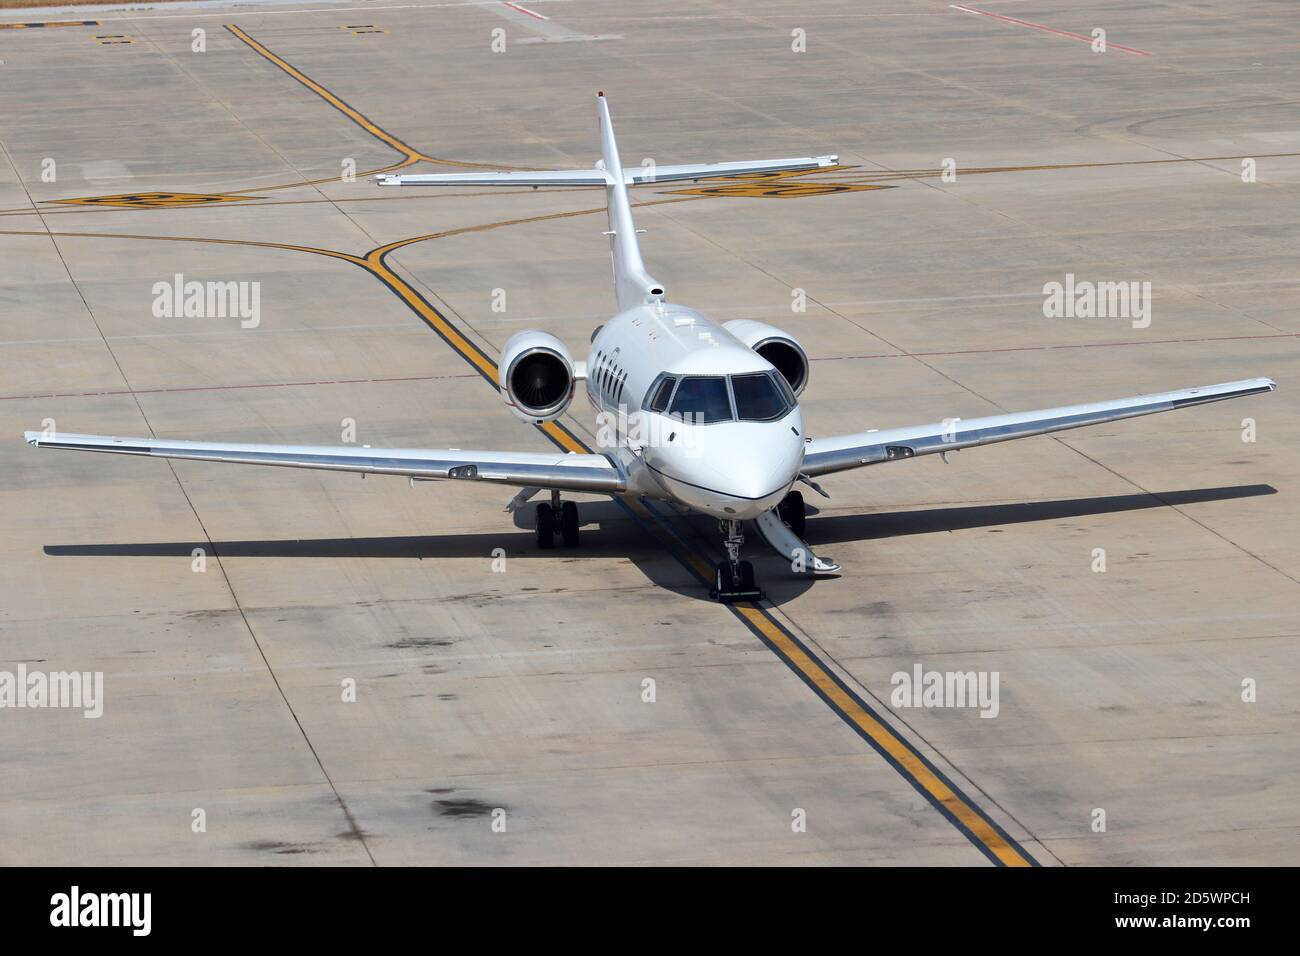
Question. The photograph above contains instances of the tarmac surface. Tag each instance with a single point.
(500, 715)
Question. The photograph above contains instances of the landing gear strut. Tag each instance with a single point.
(558, 516)
(734, 578)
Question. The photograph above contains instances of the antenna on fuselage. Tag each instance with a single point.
(632, 284)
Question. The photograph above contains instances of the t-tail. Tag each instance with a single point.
(632, 284)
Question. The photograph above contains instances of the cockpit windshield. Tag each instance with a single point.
(706, 399)
(702, 398)
(757, 398)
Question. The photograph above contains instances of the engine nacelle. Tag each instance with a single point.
(536, 376)
(779, 348)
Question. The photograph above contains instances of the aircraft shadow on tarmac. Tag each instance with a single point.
(618, 536)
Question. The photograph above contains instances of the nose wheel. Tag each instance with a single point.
(734, 578)
(558, 517)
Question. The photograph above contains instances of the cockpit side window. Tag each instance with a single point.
(702, 398)
(660, 394)
(784, 386)
(758, 398)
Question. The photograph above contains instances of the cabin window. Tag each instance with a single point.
(702, 398)
(758, 398)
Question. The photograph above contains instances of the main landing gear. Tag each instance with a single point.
(558, 516)
(734, 578)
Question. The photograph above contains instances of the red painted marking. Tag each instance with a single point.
(532, 13)
(1046, 29)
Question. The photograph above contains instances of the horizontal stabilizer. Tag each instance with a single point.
(632, 175)
(558, 177)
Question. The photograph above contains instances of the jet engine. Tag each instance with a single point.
(780, 348)
(536, 376)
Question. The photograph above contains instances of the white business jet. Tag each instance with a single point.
(707, 415)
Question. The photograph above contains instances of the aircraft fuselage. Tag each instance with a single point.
(696, 422)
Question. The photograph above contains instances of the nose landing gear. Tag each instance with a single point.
(558, 516)
(734, 578)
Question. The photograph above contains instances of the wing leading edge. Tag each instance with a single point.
(564, 472)
(842, 452)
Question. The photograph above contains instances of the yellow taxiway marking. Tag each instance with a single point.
(410, 155)
(151, 200)
(49, 23)
(790, 184)
(375, 130)
(799, 190)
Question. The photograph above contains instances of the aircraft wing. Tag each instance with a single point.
(842, 452)
(565, 472)
(597, 176)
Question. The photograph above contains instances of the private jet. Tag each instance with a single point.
(706, 414)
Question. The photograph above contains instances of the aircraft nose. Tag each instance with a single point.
(757, 471)
(739, 470)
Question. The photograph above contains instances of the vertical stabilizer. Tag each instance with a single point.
(632, 284)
